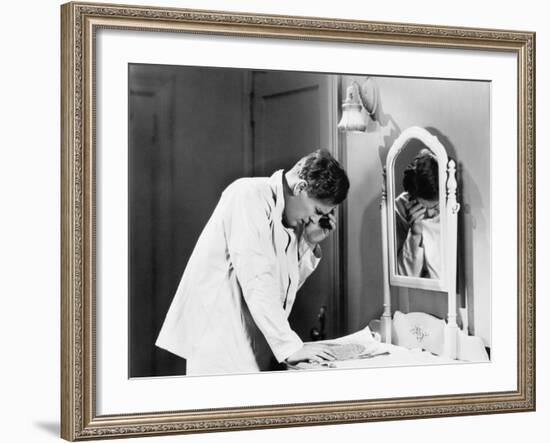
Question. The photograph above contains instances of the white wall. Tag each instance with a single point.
(458, 113)
(29, 222)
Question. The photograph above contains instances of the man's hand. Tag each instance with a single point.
(315, 233)
(312, 353)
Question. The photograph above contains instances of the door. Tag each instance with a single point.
(292, 115)
(188, 136)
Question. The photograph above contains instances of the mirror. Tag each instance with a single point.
(419, 188)
(417, 228)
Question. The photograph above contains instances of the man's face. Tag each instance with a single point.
(303, 209)
(431, 207)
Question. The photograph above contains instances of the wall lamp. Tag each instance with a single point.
(358, 97)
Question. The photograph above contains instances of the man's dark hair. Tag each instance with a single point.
(421, 179)
(326, 179)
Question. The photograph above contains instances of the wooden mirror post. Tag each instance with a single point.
(451, 329)
(385, 327)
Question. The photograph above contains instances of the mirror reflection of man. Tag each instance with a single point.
(230, 311)
(418, 220)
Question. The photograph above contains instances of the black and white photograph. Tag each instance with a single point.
(292, 221)
(277, 221)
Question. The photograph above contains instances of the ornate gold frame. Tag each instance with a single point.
(79, 23)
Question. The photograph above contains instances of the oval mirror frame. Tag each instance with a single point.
(447, 207)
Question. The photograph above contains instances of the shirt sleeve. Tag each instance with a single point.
(410, 253)
(252, 255)
(308, 259)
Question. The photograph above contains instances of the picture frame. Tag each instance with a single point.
(80, 178)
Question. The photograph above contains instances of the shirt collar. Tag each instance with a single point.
(276, 184)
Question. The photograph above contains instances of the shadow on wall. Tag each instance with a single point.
(51, 428)
(467, 226)
(371, 239)
(389, 131)
(447, 144)
(371, 231)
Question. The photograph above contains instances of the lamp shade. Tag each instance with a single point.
(352, 117)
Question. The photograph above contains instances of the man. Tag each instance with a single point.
(230, 311)
(418, 226)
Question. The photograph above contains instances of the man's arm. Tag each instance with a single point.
(410, 252)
